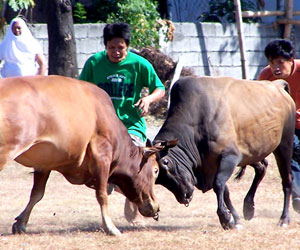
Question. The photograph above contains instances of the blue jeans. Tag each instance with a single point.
(295, 164)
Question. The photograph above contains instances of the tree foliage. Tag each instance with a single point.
(79, 13)
(224, 11)
(20, 4)
(97, 11)
(142, 16)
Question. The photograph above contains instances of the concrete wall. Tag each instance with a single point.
(213, 49)
(208, 48)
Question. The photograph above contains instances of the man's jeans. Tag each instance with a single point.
(296, 165)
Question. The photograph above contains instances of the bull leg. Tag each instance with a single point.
(231, 208)
(283, 159)
(107, 223)
(37, 193)
(103, 161)
(226, 168)
(249, 206)
(102, 197)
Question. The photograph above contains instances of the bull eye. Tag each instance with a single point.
(165, 162)
(155, 171)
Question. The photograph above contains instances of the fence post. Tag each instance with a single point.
(239, 24)
(289, 15)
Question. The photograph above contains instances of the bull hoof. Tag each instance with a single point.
(283, 223)
(114, 232)
(248, 211)
(229, 225)
(18, 228)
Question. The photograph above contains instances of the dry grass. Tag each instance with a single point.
(69, 218)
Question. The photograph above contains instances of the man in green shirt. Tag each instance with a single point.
(123, 74)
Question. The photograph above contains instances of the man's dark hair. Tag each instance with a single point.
(279, 48)
(116, 30)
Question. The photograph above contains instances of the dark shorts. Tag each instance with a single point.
(295, 164)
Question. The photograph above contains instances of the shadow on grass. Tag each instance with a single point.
(95, 227)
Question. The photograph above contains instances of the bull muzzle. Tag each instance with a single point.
(187, 199)
(149, 208)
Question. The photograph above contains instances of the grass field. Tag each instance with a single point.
(69, 217)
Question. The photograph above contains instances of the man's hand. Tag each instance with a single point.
(143, 105)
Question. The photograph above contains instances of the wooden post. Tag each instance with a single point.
(267, 13)
(289, 15)
(239, 24)
(288, 21)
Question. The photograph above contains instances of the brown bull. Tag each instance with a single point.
(58, 123)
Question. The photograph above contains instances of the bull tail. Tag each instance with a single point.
(259, 166)
(240, 173)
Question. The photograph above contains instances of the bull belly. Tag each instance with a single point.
(45, 155)
(248, 160)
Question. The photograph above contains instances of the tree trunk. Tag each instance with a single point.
(62, 46)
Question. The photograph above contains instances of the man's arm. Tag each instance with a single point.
(144, 103)
(40, 59)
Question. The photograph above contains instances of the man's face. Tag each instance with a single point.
(116, 50)
(281, 67)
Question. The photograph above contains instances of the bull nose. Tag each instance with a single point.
(150, 209)
(185, 197)
(156, 216)
(188, 199)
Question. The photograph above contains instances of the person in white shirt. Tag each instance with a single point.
(20, 51)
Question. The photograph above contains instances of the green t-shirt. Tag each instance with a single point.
(123, 81)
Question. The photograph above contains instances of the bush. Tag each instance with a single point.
(142, 16)
(98, 10)
(79, 13)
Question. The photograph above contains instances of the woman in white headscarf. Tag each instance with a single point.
(20, 51)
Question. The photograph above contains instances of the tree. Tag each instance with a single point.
(62, 46)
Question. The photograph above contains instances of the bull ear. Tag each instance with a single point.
(166, 144)
(147, 152)
(149, 143)
(172, 143)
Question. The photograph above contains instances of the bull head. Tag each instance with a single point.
(148, 151)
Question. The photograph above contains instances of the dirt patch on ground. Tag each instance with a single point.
(69, 217)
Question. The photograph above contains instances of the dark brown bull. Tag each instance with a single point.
(216, 124)
(63, 124)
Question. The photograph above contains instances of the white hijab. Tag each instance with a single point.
(19, 52)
